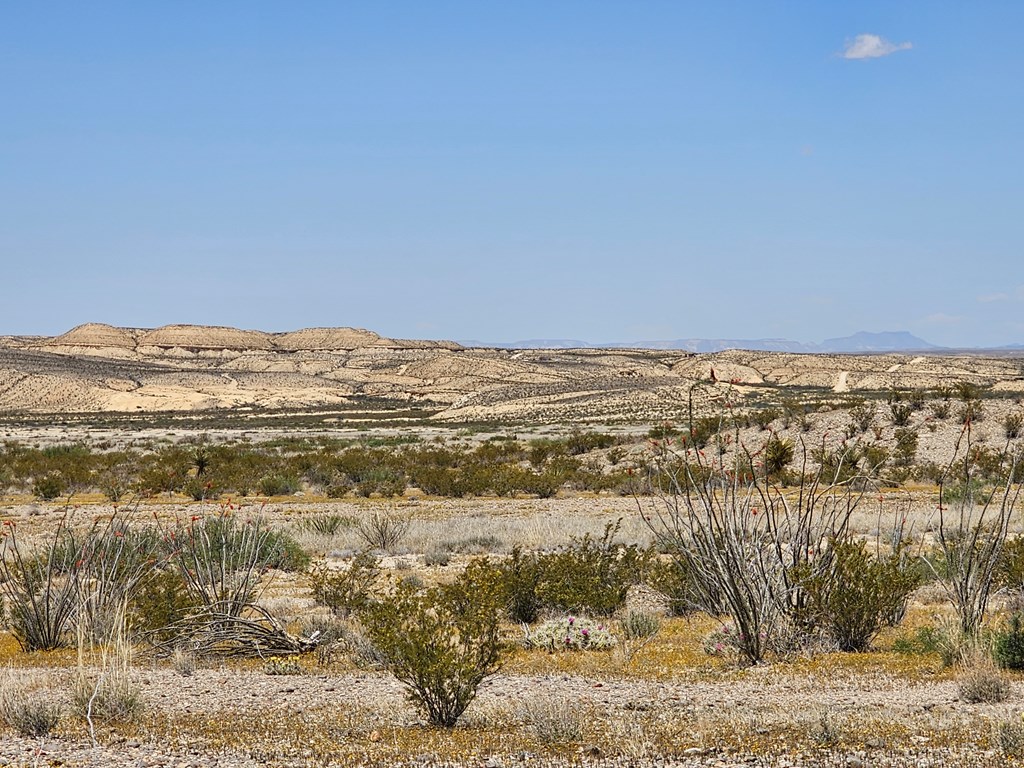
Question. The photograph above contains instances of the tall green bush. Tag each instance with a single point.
(440, 643)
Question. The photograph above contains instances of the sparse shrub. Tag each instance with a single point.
(437, 557)
(112, 695)
(28, 705)
(640, 625)
(438, 644)
(40, 589)
(826, 732)
(1012, 425)
(571, 633)
(972, 532)
(278, 665)
(1008, 736)
(971, 412)
(982, 682)
(221, 559)
(906, 447)
(325, 524)
(940, 409)
(1009, 574)
(383, 530)
(724, 640)
(674, 580)
(345, 590)
(200, 489)
(764, 417)
(554, 720)
(183, 661)
(924, 640)
(900, 413)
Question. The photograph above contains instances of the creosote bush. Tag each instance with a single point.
(1008, 643)
(859, 593)
(346, 590)
(441, 643)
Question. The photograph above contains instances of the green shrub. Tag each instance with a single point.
(857, 596)
(1012, 425)
(383, 482)
(640, 625)
(278, 485)
(1008, 645)
(346, 591)
(50, 486)
(778, 453)
(520, 577)
(439, 644)
(591, 576)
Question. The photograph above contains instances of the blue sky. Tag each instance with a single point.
(606, 171)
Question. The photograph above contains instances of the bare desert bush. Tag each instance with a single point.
(750, 545)
(111, 694)
(383, 529)
(973, 526)
(115, 557)
(222, 558)
(40, 587)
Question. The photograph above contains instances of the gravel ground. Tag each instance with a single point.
(759, 701)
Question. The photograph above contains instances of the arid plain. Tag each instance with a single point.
(595, 426)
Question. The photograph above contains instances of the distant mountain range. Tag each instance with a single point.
(860, 342)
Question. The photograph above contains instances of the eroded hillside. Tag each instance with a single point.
(98, 368)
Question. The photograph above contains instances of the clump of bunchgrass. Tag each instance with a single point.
(640, 625)
(1008, 737)
(554, 719)
(184, 661)
(982, 682)
(28, 704)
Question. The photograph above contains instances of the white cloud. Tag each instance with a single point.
(990, 298)
(872, 47)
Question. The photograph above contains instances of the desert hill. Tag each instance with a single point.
(101, 368)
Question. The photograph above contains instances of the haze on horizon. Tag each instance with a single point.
(458, 170)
